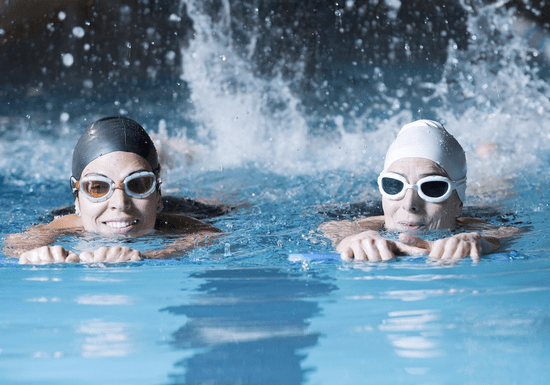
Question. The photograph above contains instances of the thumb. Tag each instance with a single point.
(72, 257)
(86, 256)
(412, 245)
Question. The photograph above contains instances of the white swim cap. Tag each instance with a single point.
(428, 139)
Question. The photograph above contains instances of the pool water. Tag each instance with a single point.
(269, 302)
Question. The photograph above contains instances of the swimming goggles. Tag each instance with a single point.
(434, 189)
(98, 188)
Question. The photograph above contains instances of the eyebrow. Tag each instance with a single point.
(432, 174)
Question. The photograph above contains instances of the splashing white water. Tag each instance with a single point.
(492, 101)
(491, 98)
(233, 106)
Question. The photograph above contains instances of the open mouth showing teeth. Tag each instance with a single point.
(120, 225)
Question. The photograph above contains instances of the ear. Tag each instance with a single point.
(76, 206)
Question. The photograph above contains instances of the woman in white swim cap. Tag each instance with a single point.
(116, 185)
(423, 187)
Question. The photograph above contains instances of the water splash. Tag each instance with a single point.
(490, 96)
(242, 117)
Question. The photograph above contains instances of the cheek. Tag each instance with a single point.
(389, 207)
(88, 213)
(443, 216)
(148, 208)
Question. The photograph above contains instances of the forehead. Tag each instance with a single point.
(416, 167)
(117, 164)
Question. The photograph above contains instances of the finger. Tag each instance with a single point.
(128, 254)
(72, 257)
(370, 250)
(460, 250)
(99, 254)
(45, 255)
(401, 248)
(385, 252)
(136, 256)
(475, 254)
(345, 255)
(437, 249)
(58, 254)
(452, 247)
(411, 240)
(123, 254)
(24, 258)
(358, 253)
(112, 254)
(86, 257)
(343, 246)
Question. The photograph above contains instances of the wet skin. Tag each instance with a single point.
(411, 213)
(120, 214)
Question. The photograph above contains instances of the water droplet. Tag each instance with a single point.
(68, 59)
(227, 250)
(78, 32)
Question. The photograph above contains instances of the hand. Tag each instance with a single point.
(111, 254)
(371, 246)
(48, 254)
(454, 248)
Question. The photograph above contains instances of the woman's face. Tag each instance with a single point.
(412, 213)
(119, 214)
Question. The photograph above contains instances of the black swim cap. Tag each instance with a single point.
(115, 133)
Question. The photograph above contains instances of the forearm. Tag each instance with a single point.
(489, 244)
(17, 244)
(336, 231)
(182, 245)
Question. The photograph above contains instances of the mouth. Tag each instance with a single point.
(121, 226)
(410, 226)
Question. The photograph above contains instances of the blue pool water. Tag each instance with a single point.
(268, 303)
(262, 306)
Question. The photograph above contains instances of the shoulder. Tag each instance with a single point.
(371, 223)
(182, 223)
(471, 223)
(69, 222)
(484, 227)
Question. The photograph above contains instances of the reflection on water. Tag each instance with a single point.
(250, 325)
(104, 299)
(417, 327)
(104, 339)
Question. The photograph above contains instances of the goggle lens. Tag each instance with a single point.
(392, 186)
(95, 188)
(98, 188)
(435, 189)
(140, 185)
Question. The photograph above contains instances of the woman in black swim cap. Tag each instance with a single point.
(116, 184)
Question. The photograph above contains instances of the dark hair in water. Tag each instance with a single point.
(110, 134)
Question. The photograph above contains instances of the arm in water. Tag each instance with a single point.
(360, 240)
(35, 246)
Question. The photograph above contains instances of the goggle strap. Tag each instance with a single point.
(73, 183)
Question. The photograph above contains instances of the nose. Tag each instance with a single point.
(411, 201)
(119, 200)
